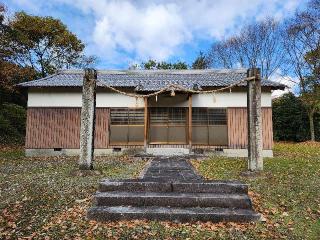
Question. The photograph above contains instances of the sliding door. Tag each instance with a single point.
(126, 126)
(168, 125)
(209, 126)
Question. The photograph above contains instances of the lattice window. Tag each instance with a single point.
(171, 116)
(199, 116)
(209, 116)
(136, 116)
(217, 116)
(177, 116)
(209, 126)
(126, 126)
(158, 115)
(127, 116)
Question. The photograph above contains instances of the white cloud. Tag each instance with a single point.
(160, 29)
(157, 29)
(290, 82)
(151, 31)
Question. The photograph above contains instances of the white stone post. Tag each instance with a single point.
(88, 119)
(255, 159)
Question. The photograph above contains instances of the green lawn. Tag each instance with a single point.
(42, 198)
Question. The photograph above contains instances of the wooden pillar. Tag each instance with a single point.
(145, 123)
(190, 122)
(87, 119)
(255, 159)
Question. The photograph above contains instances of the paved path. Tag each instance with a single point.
(171, 169)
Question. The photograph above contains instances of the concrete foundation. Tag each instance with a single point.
(167, 151)
(151, 151)
(65, 152)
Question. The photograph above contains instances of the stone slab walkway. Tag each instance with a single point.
(171, 169)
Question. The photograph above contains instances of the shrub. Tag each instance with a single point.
(12, 123)
(290, 119)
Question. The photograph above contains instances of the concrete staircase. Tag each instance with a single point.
(196, 200)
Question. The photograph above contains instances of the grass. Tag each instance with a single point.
(287, 193)
(40, 199)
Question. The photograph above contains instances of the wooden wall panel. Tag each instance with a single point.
(267, 130)
(60, 128)
(101, 138)
(237, 128)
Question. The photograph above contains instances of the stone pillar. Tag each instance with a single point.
(145, 135)
(190, 122)
(88, 119)
(255, 159)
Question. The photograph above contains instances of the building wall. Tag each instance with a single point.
(60, 128)
(238, 129)
(225, 100)
(72, 98)
(53, 116)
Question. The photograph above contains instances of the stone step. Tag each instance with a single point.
(194, 187)
(172, 199)
(172, 214)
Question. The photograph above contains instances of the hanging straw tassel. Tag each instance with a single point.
(214, 98)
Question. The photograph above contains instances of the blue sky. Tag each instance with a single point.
(121, 33)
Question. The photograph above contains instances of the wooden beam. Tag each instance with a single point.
(145, 123)
(190, 122)
(255, 159)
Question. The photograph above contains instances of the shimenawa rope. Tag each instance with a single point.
(176, 87)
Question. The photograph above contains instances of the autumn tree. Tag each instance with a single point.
(30, 47)
(302, 45)
(10, 73)
(42, 43)
(257, 45)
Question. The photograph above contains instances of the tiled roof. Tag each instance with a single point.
(150, 80)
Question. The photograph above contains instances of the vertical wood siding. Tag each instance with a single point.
(101, 138)
(60, 128)
(237, 128)
(267, 130)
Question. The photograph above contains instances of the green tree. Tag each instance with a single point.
(311, 100)
(290, 121)
(10, 73)
(42, 43)
(201, 62)
(302, 41)
(12, 123)
(153, 64)
(311, 94)
(179, 65)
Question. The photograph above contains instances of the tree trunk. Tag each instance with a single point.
(311, 115)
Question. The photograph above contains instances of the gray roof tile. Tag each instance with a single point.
(149, 80)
